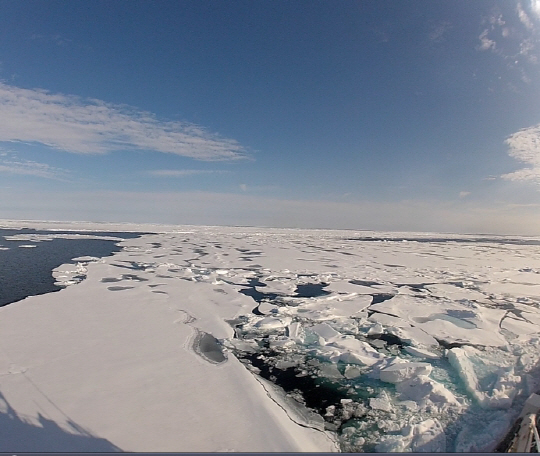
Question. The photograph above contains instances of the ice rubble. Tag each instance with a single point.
(382, 344)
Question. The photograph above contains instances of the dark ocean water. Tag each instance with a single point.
(28, 271)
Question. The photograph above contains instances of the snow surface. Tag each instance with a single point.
(246, 339)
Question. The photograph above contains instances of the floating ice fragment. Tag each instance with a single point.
(428, 437)
(377, 328)
(422, 389)
(398, 372)
(354, 351)
(352, 372)
(325, 332)
(285, 287)
(459, 361)
(295, 332)
(279, 342)
(273, 322)
(249, 346)
(267, 308)
(505, 390)
(380, 403)
(410, 405)
(378, 343)
(329, 371)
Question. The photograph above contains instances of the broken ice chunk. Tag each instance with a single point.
(273, 322)
(427, 436)
(459, 360)
(381, 403)
(505, 390)
(330, 371)
(376, 329)
(398, 372)
(354, 351)
(465, 361)
(422, 389)
(325, 332)
(295, 332)
(245, 345)
(279, 342)
(352, 372)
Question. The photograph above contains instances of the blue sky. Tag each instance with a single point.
(371, 114)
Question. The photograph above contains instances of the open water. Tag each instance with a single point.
(26, 271)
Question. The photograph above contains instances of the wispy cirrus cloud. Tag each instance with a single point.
(514, 37)
(183, 172)
(83, 126)
(438, 33)
(10, 164)
(56, 39)
(524, 146)
(524, 17)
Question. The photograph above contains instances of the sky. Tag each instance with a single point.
(368, 115)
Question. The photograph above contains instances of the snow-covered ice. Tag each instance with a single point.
(246, 339)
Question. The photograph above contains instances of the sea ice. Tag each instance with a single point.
(317, 343)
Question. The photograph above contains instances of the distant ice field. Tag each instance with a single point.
(250, 339)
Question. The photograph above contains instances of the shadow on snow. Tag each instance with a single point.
(18, 434)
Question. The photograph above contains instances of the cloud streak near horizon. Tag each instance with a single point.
(82, 126)
(183, 172)
(31, 168)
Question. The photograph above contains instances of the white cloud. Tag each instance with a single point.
(524, 17)
(81, 126)
(524, 146)
(535, 7)
(243, 187)
(485, 42)
(183, 172)
(525, 174)
(464, 194)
